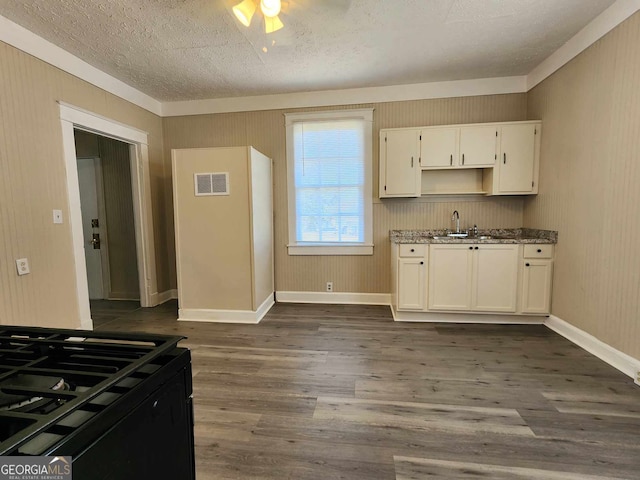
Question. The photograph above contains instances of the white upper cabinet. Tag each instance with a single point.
(478, 146)
(439, 147)
(399, 167)
(488, 159)
(458, 147)
(517, 158)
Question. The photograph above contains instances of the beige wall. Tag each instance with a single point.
(33, 183)
(364, 274)
(590, 186)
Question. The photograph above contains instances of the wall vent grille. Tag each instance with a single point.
(211, 184)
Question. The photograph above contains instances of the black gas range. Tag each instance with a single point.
(119, 403)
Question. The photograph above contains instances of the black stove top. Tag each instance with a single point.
(52, 382)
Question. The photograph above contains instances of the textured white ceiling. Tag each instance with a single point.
(194, 49)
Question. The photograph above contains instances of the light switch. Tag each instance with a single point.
(57, 216)
(23, 266)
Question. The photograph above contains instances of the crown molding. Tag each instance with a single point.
(323, 98)
(591, 33)
(19, 37)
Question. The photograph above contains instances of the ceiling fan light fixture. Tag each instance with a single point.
(272, 24)
(244, 11)
(270, 8)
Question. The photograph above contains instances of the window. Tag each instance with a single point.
(329, 182)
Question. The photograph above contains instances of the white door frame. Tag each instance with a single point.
(71, 118)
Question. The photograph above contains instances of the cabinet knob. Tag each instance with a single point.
(413, 250)
(476, 248)
(421, 263)
(463, 158)
(470, 248)
(539, 250)
(526, 265)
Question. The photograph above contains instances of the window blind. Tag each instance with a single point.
(329, 177)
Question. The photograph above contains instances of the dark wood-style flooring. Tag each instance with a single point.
(327, 392)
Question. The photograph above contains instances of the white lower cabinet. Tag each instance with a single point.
(480, 278)
(495, 278)
(450, 277)
(412, 277)
(537, 273)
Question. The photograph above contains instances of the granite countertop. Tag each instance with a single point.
(503, 235)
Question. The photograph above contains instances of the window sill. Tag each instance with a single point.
(324, 249)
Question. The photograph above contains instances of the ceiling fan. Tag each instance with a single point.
(270, 9)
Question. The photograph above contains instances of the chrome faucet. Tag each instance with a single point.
(456, 217)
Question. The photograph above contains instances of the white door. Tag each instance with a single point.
(87, 179)
(495, 278)
(411, 283)
(439, 147)
(478, 146)
(517, 158)
(450, 277)
(536, 286)
(401, 148)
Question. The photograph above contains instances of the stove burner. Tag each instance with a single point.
(27, 401)
(59, 386)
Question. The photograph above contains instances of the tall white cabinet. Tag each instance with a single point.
(223, 214)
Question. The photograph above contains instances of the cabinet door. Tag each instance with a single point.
(536, 286)
(399, 151)
(411, 283)
(517, 155)
(478, 146)
(450, 277)
(439, 148)
(495, 278)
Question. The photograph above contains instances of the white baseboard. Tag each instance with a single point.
(334, 298)
(226, 316)
(479, 317)
(617, 359)
(167, 295)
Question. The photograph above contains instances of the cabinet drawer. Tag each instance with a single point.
(538, 251)
(412, 250)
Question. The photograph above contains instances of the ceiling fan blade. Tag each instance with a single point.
(272, 24)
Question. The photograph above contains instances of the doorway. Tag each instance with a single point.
(73, 118)
(106, 201)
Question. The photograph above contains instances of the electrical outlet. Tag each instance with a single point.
(23, 266)
(57, 216)
(329, 286)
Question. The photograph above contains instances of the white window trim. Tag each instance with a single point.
(310, 248)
